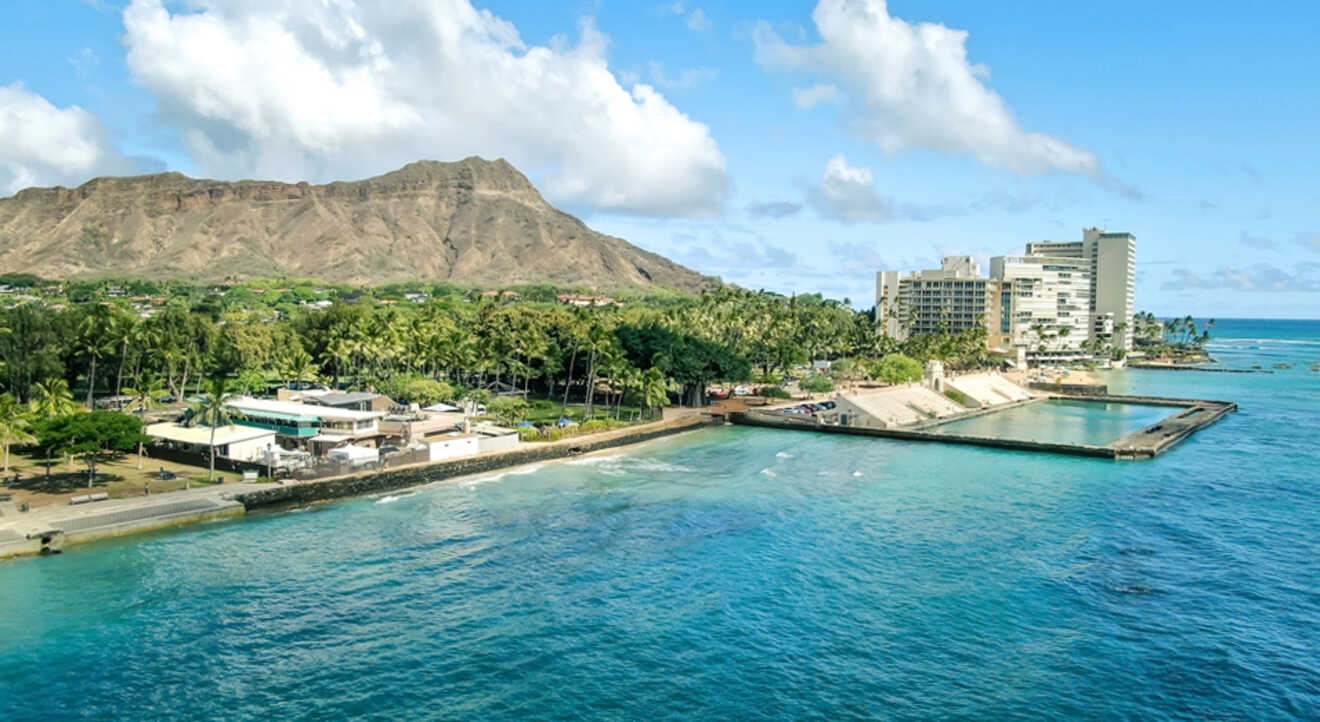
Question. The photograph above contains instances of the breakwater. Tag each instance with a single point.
(373, 482)
(1184, 367)
(1195, 414)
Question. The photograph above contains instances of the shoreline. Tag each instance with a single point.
(23, 536)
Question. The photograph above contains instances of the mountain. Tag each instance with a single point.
(473, 222)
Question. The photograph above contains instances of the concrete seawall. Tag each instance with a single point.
(410, 476)
(1144, 444)
(62, 526)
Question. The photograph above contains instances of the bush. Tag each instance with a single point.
(895, 368)
(774, 392)
(817, 384)
(957, 397)
(509, 410)
(594, 425)
(529, 435)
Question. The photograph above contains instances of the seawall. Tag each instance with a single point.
(409, 476)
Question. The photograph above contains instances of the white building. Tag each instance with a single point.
(1044, 303)
(241, 443)
(1048, 302)
(1112, 260)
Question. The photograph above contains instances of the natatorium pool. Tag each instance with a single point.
(1073, 422)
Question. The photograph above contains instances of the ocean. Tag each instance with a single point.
(733, 573)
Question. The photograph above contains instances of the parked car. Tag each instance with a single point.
(741, 390)
(718, 392)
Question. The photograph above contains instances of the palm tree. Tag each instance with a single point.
(213, 411)
(93, 344)
(52, 399)
(150, 388)
(15, 425)
(297, 366)
(655, 389)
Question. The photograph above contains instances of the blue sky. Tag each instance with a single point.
(793, 146)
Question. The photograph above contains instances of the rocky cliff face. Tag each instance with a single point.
(474, 221)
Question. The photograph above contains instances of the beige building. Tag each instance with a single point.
(953, 298)
(1044, 303)
(1048, 302)
(1112, 261)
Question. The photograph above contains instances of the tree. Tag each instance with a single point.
(142, 398)
(509, 410)
(896, 368)
(89, 435)
(655, 389)
(15, 425)
(213, 411)
(53, 398)
(817, 384)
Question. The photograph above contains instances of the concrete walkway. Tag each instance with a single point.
(20, 532)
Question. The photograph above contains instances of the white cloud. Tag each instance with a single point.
(806, 98)
(41, 144)
(848, 194)
(84, 62)
(686, 78)
(308, 89)
(698, 20)
(911, 86)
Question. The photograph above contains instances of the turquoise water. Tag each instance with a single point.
(731, 574)
(1073, 422)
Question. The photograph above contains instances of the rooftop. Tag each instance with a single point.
(202, 434)
(305, 412)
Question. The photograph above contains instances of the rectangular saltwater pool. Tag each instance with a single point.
(1073, 422)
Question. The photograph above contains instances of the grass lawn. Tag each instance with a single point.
(545, 412)
(118, 477)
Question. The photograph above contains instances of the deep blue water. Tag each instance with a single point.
(733, 574)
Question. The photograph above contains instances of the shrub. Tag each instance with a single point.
(957, 396)
(594, 425)
(817, 384)
(774, 392)
(895, 368)
(509, 410)
(529, 435)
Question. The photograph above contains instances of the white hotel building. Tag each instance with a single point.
(1047, 302)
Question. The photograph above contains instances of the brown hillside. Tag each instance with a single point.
(474, 222)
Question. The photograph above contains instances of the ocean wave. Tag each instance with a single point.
(784, 455)
(1258, 341)
(387, 500)
(768, 472)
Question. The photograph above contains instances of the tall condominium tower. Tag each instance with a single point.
(1112, 258)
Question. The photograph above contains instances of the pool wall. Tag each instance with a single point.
(1144, 444)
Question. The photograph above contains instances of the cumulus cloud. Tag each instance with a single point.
(848, 194)
(912, 86)
(773, 209)
(41, 144)
(1261, 278)
(307, 89)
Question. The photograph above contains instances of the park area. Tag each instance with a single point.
(117, 475)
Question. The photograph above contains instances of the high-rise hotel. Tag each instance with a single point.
(1050, 301)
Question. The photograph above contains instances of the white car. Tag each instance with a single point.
(741, 390)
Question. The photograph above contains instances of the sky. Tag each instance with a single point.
(790, 146)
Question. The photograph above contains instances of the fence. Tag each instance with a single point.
(1074, 389)
(222, 463)
(322, 468)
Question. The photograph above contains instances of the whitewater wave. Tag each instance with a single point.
(768, 472)
(784, 455)
(857, 473)
(387, 500)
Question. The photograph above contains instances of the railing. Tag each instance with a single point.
(322, 468)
